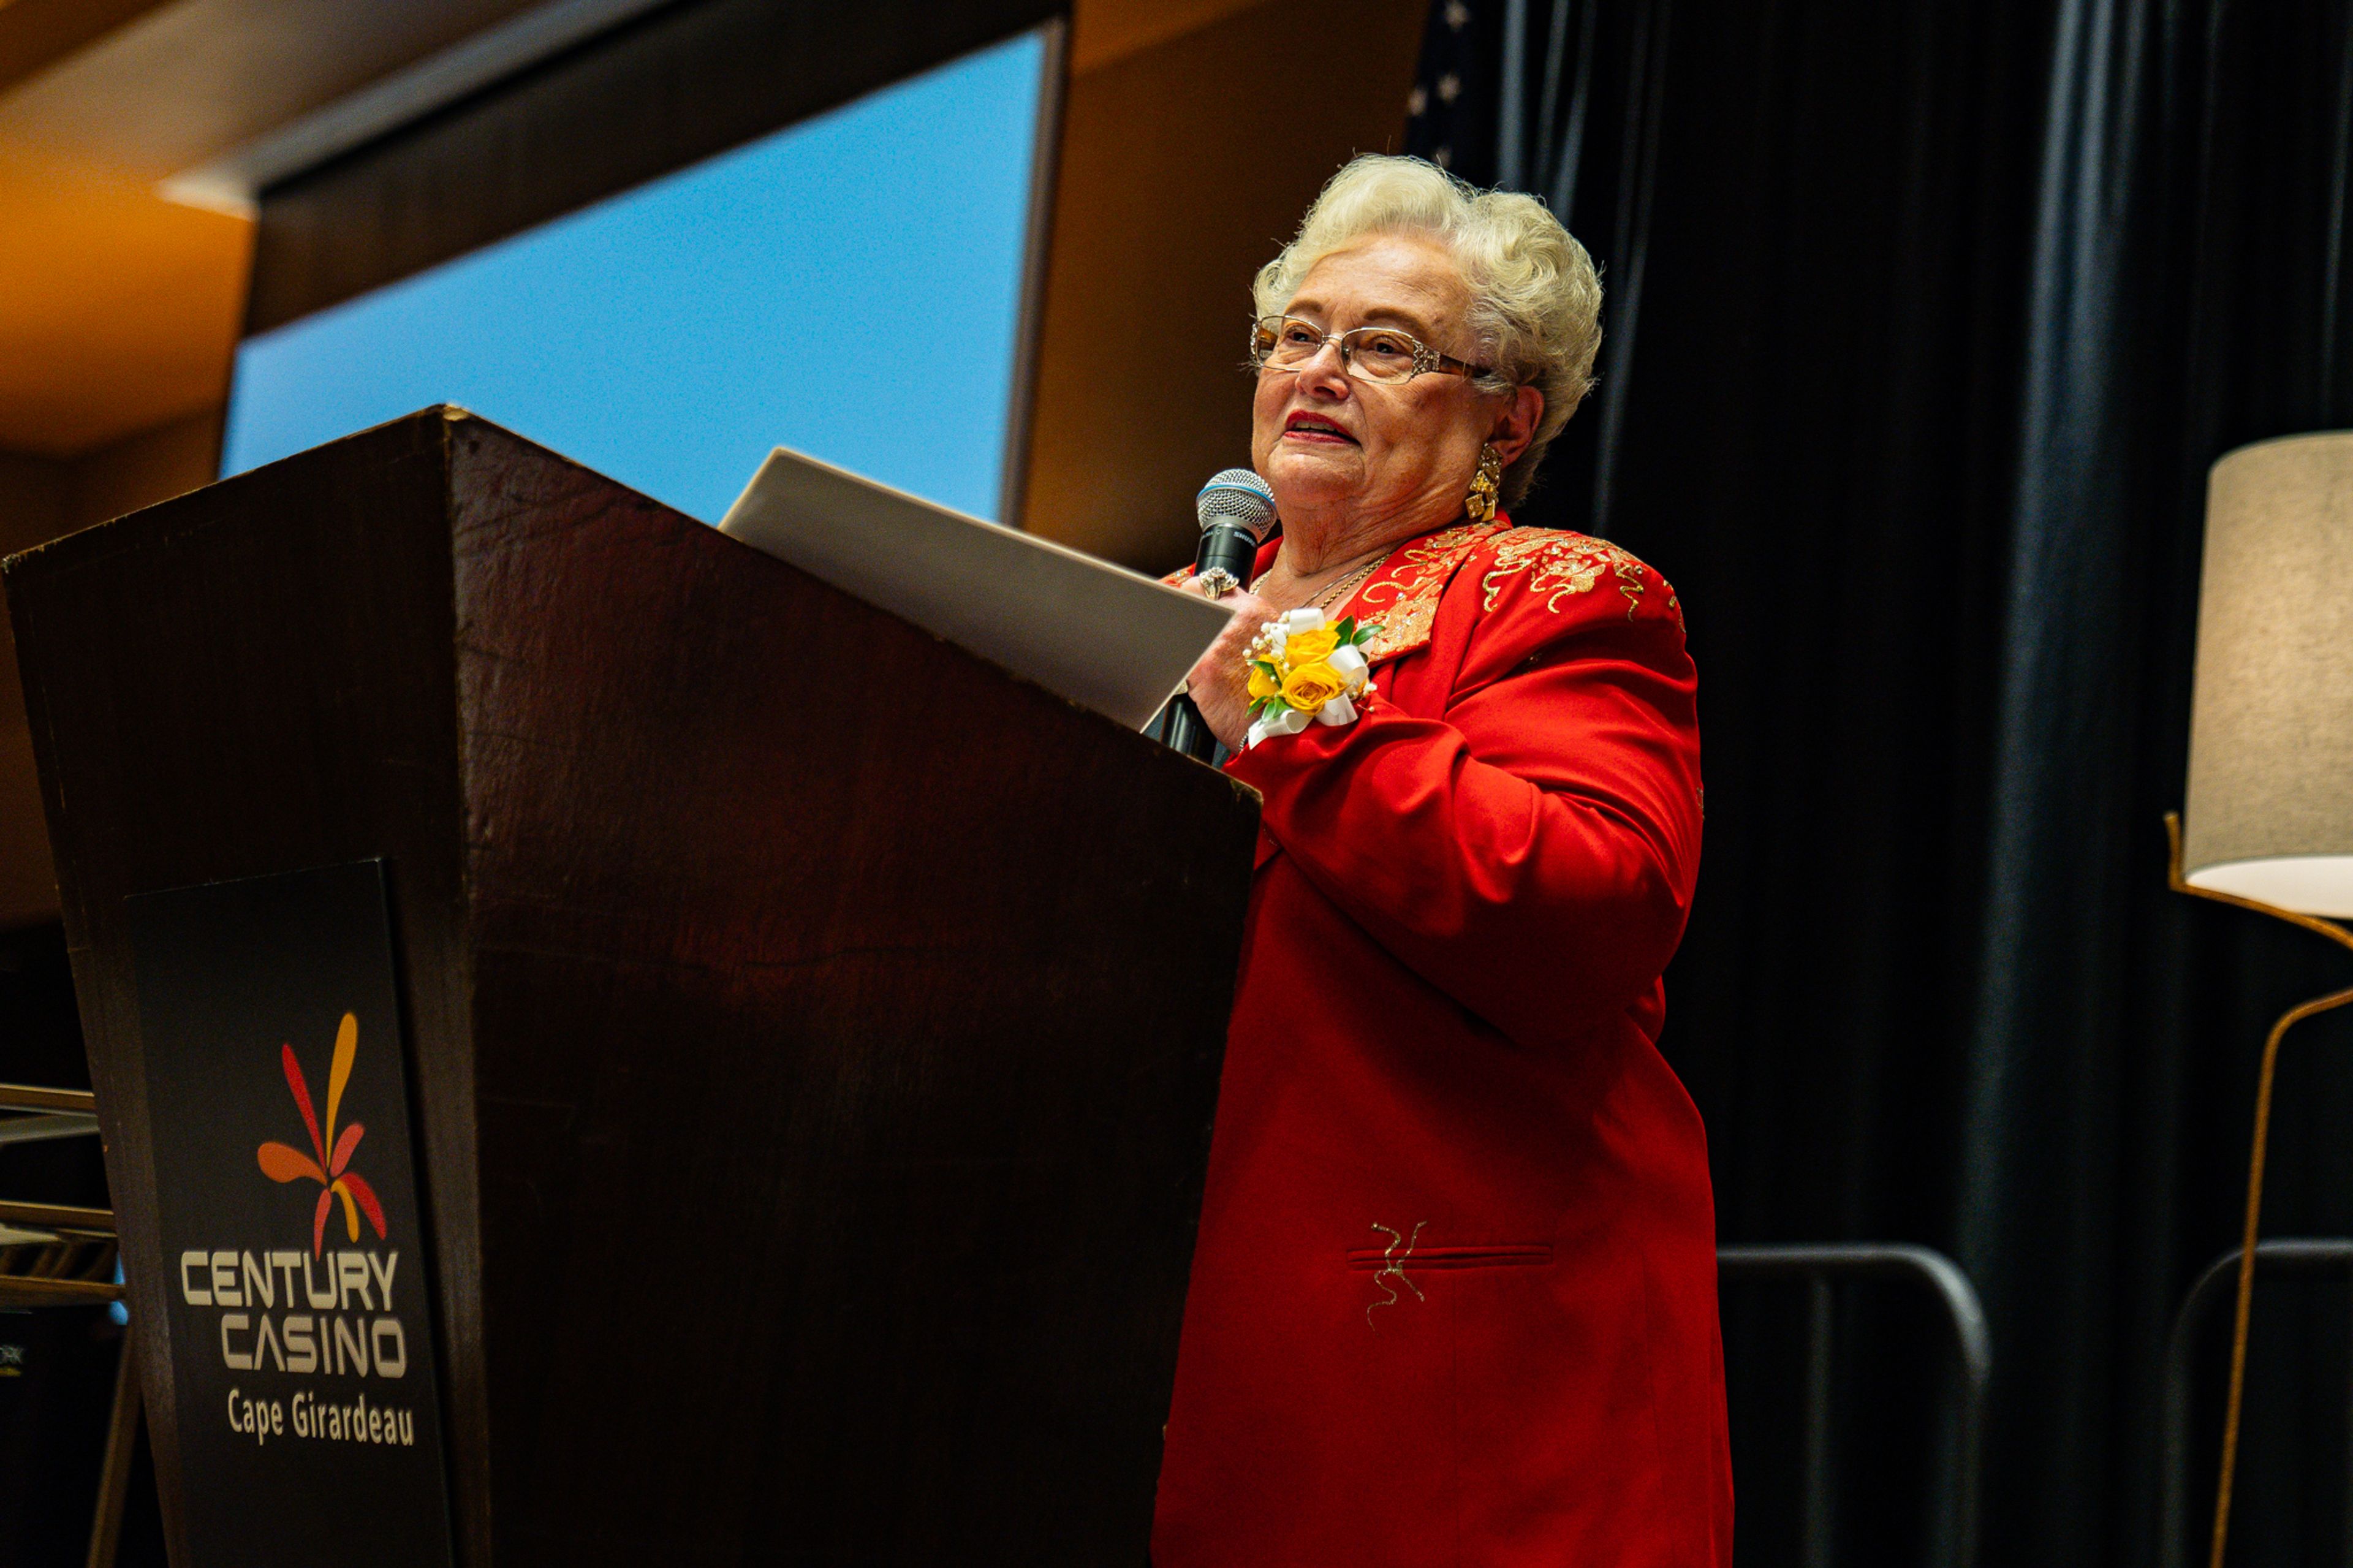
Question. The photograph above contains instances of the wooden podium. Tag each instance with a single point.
(810, 1031)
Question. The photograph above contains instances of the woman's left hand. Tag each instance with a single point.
(1219, 684)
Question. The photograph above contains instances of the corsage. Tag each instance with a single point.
(1302, 670)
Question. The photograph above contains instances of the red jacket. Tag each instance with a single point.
(1455, 1296)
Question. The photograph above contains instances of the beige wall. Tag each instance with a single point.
(1182, 170)
(155, 464)
(32, 499)
(40, 499)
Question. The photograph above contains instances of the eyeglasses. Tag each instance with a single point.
(1383, 356)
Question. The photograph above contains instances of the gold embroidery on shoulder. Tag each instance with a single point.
(1559, 564)
(1402, 598)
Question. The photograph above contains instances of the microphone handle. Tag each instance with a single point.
(1234, 548)
(1228, 545)
(1187, 731)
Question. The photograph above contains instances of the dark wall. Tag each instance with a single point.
(1925, 322)
(678, 85)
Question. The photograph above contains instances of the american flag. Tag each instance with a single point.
(1451, 112)
(1560, 99)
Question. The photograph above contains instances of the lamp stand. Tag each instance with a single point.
(2295, 1015)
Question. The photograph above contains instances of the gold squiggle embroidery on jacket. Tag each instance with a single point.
(1559, 564)
(1414, 580)
(1393, 1268)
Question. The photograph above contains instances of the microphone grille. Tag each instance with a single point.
(1239, 496)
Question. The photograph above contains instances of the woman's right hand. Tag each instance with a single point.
(1219, 684)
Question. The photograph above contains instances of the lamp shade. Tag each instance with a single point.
(2269, 812)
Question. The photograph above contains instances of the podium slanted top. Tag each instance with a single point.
(1105, 637)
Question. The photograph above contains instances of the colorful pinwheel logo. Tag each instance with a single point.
(283, 1163)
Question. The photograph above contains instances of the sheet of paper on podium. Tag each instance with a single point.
(1102, 636)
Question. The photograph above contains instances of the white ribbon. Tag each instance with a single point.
(1347, 662)
(1279, 722)
(1339, 711)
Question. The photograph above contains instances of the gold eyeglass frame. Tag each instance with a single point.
(1427, 361)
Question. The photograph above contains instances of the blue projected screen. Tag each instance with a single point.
(849, 286)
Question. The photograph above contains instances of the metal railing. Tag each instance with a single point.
(53, 1255)
(1821, 1266)
(2286, 1256)
(58, 1255)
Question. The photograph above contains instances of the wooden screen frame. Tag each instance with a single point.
(657, 94)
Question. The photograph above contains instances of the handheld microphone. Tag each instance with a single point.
(1235, 509)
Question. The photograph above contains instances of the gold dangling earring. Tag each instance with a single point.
(1480, 504)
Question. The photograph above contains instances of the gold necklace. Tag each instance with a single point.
(1332, 594)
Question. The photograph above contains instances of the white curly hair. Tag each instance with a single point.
(1535, 299)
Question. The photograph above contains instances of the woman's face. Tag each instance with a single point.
(1329, 444)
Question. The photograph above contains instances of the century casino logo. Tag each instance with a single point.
(333, 1172)
(317, 1315)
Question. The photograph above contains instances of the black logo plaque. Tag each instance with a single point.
(295, 1261)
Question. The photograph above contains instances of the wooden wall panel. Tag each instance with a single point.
(138, 470)
(32, 493)
(39, 499)
(1183, 171)
(32, 508)
(36, 34)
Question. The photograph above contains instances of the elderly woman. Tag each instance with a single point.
(1454, 1297)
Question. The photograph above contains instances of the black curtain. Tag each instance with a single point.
(1926, 320)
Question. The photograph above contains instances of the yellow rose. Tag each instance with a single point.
(1262, 684)
(1302, 649)
(1312, 686)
